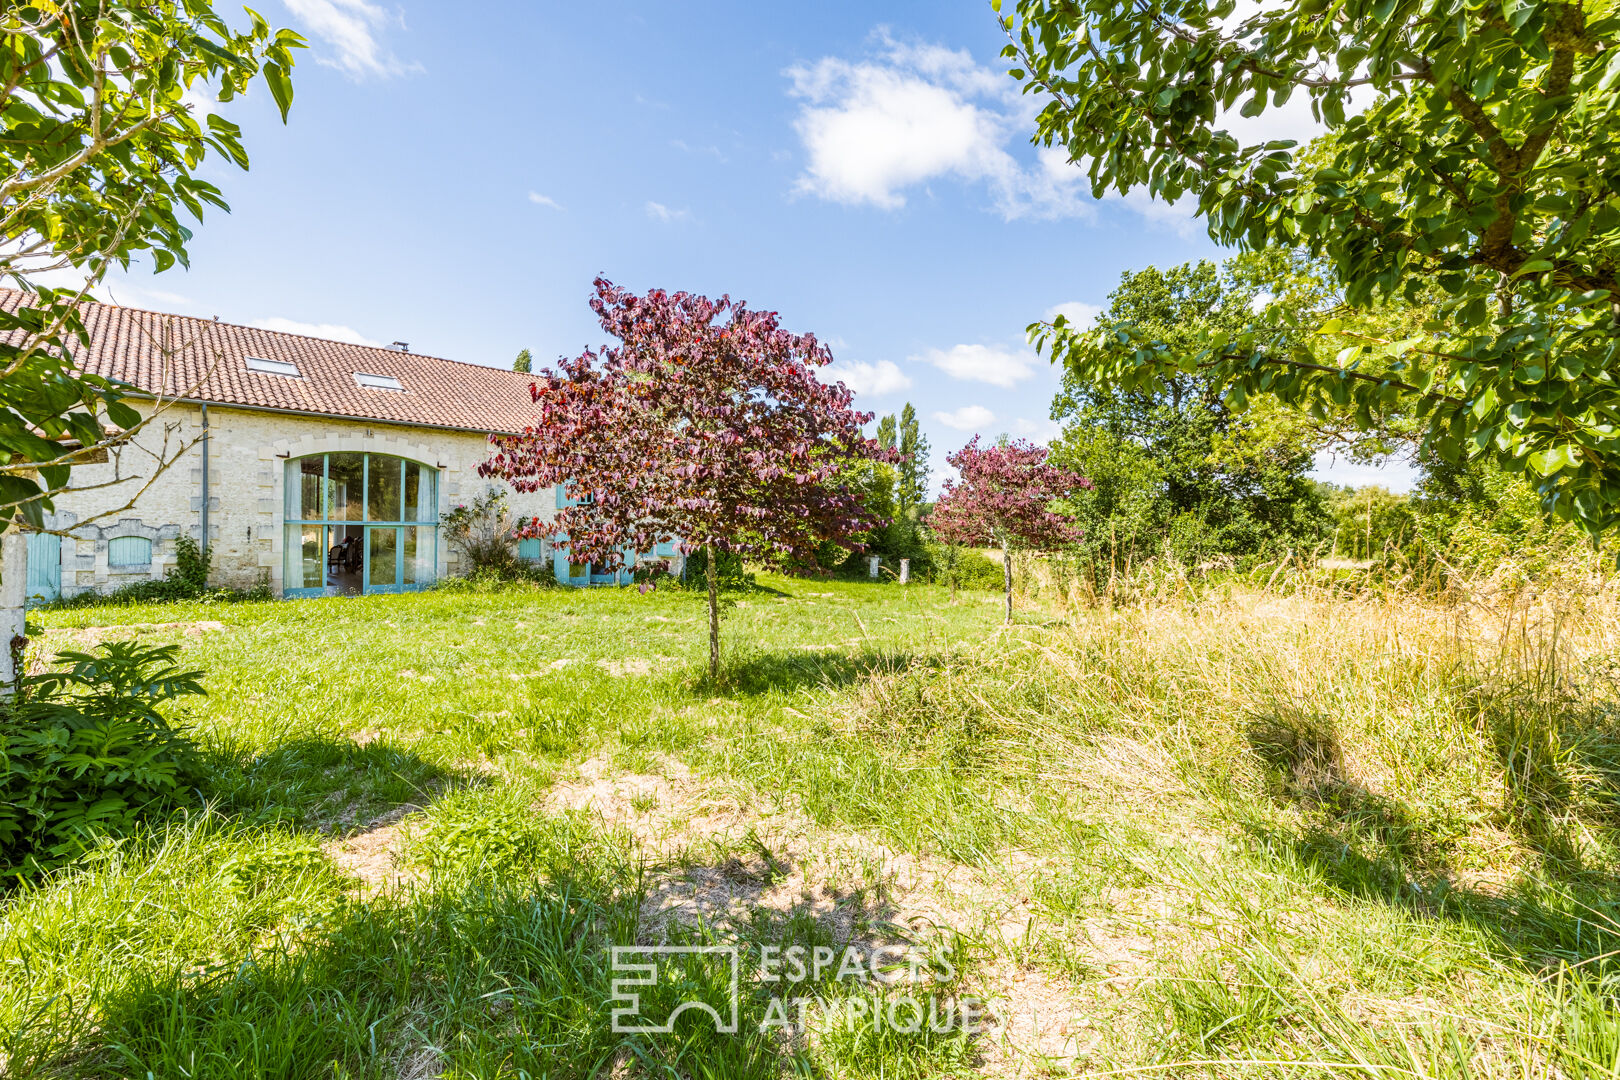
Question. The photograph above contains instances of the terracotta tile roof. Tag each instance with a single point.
(201, 359)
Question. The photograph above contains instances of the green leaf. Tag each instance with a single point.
(276, 78)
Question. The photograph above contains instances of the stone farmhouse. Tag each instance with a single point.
(318, 467)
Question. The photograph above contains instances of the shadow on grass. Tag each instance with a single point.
(330, 785)
(1538, 923)
(758, 673)
(487, 980)
(327, 783)
(1560, 773)
(468, 978)
(747, 888)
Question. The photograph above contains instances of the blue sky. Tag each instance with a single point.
(456, 180)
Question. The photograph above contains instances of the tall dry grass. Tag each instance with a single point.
(1374, 824)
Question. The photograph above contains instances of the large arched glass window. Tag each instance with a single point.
(360, 523)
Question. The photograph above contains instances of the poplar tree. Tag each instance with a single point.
(913, 487)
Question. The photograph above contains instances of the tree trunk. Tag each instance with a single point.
(713, 577)
(1006, 571)
(13, 598)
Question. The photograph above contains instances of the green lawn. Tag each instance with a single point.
(1292, 835)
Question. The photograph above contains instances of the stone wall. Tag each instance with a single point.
(247, 454)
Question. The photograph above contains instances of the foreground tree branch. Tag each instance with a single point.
(1482, 174)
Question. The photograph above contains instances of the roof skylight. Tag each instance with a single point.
(273, 367)
(379, 382)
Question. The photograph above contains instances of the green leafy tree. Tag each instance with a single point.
(874, 484)
(913, 486)
(892, 493)
(1370, 522)
(1172, 465)
(524, 362)
(1483, 170)
(101, 163)
(1477, 519)
(886, 432)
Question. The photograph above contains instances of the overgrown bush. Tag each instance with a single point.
(480, 532)
(187, 579)
(84, 752)
(1477, 520)
(192, 562)
(732, 572)
(964, 568)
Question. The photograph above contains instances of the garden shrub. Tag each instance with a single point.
(84, 752)
(192, 562)
(481, 533)
(488, 581)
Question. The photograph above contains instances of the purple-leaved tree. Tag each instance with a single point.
(705, 425)
(1005, 497)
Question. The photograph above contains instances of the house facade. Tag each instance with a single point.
(317, 467)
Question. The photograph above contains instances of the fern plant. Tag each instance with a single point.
(85, 752)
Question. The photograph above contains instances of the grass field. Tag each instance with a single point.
(1230, 833)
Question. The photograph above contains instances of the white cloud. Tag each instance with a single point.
(1180, 217)
(712, 151)
(130, 294)
(659, 212)
(351, 29)
(883, 377)
(201, 100)
(874, 128)
(1292, 119)
(1040, 431)
(1395, 473)
(329, 331)
(967, 418)
(1080, 315)
(544, 200)
(981, 363)
(1056, 187)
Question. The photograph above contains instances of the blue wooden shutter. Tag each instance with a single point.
(44, 566)
(129, 551)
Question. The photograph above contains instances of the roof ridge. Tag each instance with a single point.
(289, 333)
